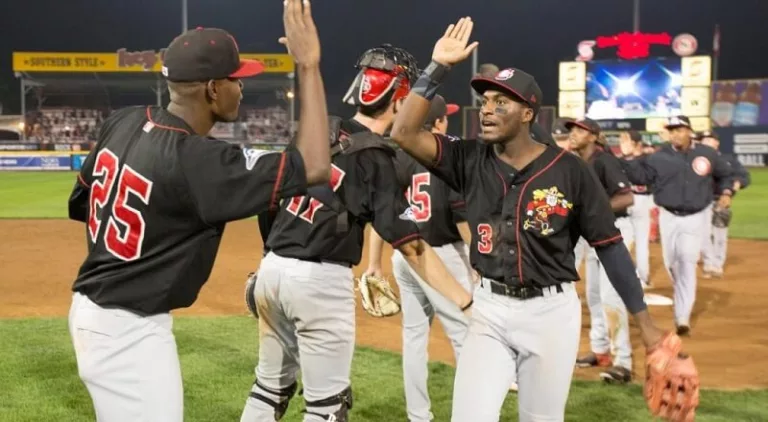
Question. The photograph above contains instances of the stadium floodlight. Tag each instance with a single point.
(625, 86)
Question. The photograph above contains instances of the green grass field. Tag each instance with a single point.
(39, 382)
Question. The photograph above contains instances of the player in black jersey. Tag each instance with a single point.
(155, 194)
(527, 204)
(304, 291)
(609, 324)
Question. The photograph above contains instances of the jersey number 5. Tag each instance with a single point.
(308, 215)
(420, 200)
(125, 245)
(485, 242)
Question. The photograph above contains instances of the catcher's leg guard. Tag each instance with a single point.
(322, 407)
(278, 399)
(250, 299)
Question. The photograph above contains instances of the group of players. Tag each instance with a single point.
(504, 288)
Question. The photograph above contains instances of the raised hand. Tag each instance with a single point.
(301, 39)
(452, 48)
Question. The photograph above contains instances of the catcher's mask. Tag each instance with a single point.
(384, 70)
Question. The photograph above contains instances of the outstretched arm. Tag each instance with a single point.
(375, 248)
(408, 130)
(303, 44)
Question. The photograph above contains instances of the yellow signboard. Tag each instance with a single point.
(123, 61)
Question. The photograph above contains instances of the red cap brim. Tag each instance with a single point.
(247, 69)
(451, 109)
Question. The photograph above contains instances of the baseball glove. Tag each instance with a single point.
(671, 381)
(250, 299)
(721, 217)
(377, 296)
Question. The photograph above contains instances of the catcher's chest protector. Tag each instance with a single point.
(342, 143)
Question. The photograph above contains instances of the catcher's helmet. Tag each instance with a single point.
(383, 70)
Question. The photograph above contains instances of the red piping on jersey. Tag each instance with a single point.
(517, 214)
(503, 183)
(439, 155)
(602, 242)
(176, 129)
(405, 239)
(458, 204)
(82, 181)
(273, 200)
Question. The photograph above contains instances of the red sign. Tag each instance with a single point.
(628, 45)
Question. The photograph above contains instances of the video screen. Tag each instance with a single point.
(634, 89)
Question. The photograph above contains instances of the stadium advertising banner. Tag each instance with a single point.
(748, 143)
(740, 103)
(123, 61)
(33, 161)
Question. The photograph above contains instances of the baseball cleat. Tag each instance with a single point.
(616, 375)
(683, 330)
(601, 360)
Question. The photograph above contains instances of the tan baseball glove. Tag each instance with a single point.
(377, 296)
(671, 381)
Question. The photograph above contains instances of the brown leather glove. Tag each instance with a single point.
(671, 381)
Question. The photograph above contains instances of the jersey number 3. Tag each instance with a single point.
(125, 245)
(308, 215)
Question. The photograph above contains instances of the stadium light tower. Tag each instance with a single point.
(184, 21)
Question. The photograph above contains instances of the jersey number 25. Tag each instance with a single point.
(308, 215)
(125, 245)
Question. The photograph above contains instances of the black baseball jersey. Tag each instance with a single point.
(367, 185)
(683, 182)
(434, 206)
(155, 198)
(638, 189)
(525, 223)
(739, 172)
(610, 174)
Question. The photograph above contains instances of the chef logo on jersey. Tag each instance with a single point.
(546, 203)
(701, 166)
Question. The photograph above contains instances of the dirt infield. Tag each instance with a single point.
(730, 340)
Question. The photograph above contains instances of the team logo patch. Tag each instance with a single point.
(701, 166)
(365, 85)
(252, 155)
(505, 74)
(407, 215)
(545, 204)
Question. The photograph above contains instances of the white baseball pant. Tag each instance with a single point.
(306, 322)
(537, 338)
(681, 246)
(129, 363)
(640, 216)
(609, 331)
(420, 303)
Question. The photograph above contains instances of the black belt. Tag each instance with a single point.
(681, 213)
(328, 261)
(519, 292)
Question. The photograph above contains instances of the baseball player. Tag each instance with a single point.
(640, 211)
(682, 175)
(561, 134)
(713, 250)
(609, 330)
(304, 292)
(155, 195)
(437, 210)
(527, 203)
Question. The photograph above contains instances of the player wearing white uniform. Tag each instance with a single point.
(609, 333)
(682, 175)
(640, 213)
(715, 246)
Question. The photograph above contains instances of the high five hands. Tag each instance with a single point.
(452, 48)
(301, 39)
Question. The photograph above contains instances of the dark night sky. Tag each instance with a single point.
(533, 35)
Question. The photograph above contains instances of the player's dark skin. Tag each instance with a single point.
(202, 104)
(584, 143)
(505, 123)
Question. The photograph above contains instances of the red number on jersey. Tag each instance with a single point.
(421, 201)
(126, 246)
(106, 165)
(485, 243)
(337, 176)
